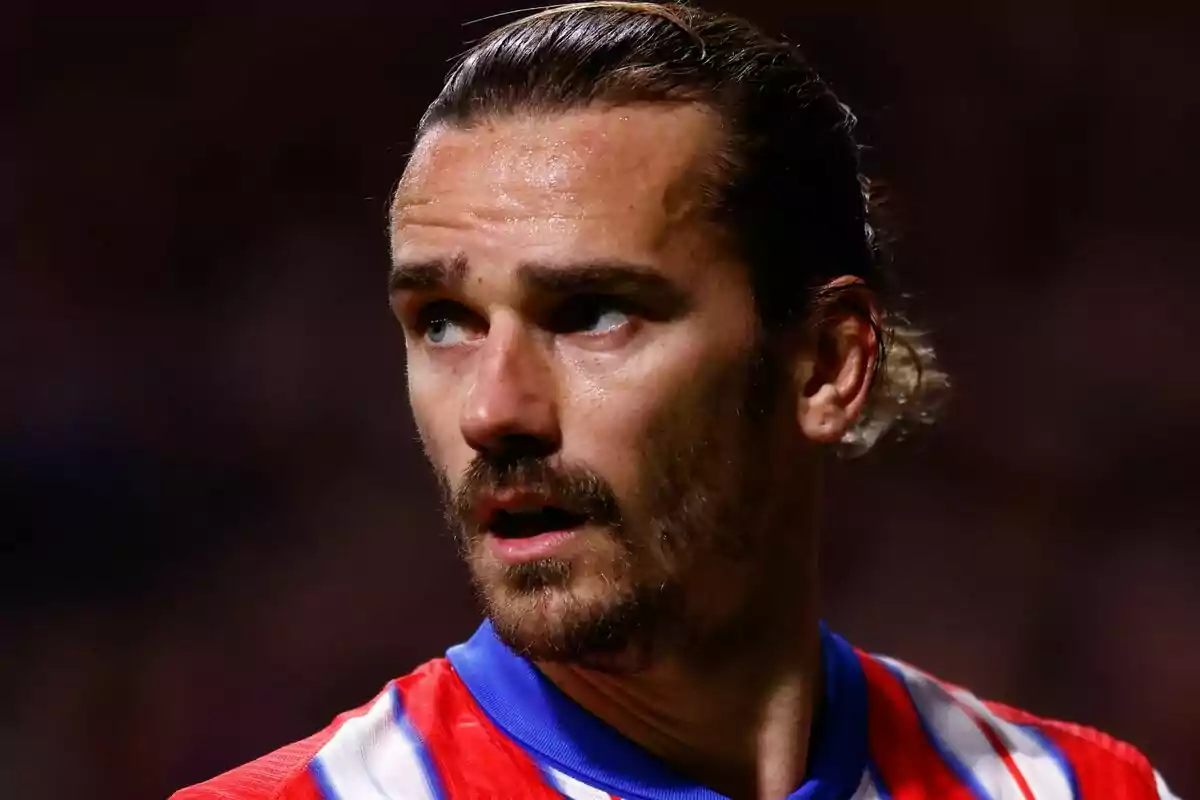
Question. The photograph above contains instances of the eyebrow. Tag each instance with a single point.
(428, 275)
(607, 277)
(599, 277)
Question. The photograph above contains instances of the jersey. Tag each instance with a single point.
(483, 722)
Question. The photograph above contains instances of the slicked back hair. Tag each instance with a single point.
(787, 186)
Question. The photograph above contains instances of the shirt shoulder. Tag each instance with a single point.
(1097, 758)
(287, 773)
(422, 737)
(928, 733)
(280, 775)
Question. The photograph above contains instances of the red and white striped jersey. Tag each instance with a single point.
(484, 723)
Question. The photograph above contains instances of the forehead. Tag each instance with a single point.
(614, 176)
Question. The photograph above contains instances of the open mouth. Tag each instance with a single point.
(524, 523)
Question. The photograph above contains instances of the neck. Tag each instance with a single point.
(740, 726)
(738, 720)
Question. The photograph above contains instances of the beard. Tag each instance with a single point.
(644, 584)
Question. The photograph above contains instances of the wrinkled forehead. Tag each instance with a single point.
(634, 168)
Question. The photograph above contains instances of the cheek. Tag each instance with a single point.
(625, 394)
(435, 413)
(609, 404)
(617, 418)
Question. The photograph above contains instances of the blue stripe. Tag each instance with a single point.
(960, 769)
(877, 779)
(1059, 759)
(555, 730)
(414, 736)
(317, 770)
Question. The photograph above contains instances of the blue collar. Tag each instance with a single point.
(559, 732)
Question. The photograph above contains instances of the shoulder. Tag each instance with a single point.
(926, 730)
(289, 773)
(279, 775)
(1096, 758)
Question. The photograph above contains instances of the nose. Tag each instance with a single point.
(511, 409)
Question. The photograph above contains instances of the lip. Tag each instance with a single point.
(531, 548)
(509, 500)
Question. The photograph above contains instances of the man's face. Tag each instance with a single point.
(584, 369)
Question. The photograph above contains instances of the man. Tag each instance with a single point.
(643, 301)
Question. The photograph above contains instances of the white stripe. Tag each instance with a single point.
(572, 788)
(958, 734)
(867, 790)
(1040, 768)
(575, 789)
(1164, 791)
(372, 758)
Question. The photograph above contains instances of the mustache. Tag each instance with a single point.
(574, 488)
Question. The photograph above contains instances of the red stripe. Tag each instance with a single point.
(1098, 772)
(474, 759)
(304, 789)
(1001, 748)
(281, 775)
(908, 764)
(1103, 766)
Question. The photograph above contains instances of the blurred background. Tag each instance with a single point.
(218, 529)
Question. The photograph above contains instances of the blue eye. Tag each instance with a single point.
(444, 324)
(444, 332)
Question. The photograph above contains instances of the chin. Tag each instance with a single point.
(585, 620)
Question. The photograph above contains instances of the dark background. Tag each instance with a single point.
(219, 531)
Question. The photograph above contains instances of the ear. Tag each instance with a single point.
(834, 372)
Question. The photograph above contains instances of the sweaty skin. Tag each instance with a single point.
(559, 283)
